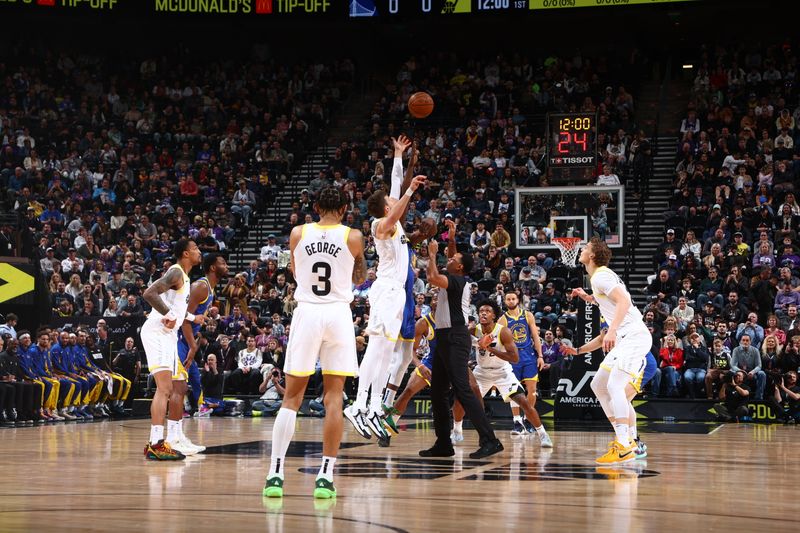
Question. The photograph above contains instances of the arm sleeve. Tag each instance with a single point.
(397, 177)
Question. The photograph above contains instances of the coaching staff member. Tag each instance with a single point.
(452, 356)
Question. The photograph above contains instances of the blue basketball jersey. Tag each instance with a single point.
(523, 337)
(202, 307)
(407, 328)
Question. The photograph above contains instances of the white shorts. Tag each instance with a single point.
(630, 353)
(502, 378)
(161, 349)
(324, 333)
(386, 305)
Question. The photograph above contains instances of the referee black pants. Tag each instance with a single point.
(450, 367)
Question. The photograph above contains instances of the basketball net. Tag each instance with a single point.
(569, 247)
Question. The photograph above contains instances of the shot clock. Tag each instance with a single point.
(571, 146)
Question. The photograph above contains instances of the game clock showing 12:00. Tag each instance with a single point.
(572, 139)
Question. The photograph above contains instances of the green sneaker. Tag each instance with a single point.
(324, 489)
(273, 488)
(388, 419)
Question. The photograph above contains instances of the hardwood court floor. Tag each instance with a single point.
(92, 477)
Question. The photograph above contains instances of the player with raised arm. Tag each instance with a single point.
(387, 303)
(201, 296)
(327, 258)
(494, 368)
(634, 386)
(403, 348)
(529, 345)
(626, 344)
(169, 297)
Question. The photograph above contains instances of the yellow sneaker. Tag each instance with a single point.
(617, 454)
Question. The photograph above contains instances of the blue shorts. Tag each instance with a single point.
(407, 328)
(527, 368)
(428, 361)
(649, 368)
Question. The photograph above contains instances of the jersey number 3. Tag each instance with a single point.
(323, 272)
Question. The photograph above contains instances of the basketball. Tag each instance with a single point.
(420, 105)
(428, 227)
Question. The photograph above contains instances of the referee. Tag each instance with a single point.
(450, 364)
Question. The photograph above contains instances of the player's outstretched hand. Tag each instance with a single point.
(425, 372)
(433, 248)
(417, 181)
(451, 224)
(568, 350)
(401, 144)
(200, 319)
(580, 293)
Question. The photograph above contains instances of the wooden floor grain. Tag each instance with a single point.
(93, 477)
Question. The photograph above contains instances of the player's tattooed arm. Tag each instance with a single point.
(171, 280)
(355, 242)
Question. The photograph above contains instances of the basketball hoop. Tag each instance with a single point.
(569, 247)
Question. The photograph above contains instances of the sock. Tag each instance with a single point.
(541, 431)
(173, 429)
(282, 432)
(634, 433)
(518, 418)
(180, 429)
(388, 396)
(326, 468)
(621, 430)
(156, 434)
(457, 426)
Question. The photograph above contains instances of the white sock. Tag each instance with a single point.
(326, 468)
(173, 431)
(621, 430)
(156, 434)
(541, 431)
(457, 426)
(388, 396)
(518, 418)
(180, 429)
(634, 433)
(282, 432)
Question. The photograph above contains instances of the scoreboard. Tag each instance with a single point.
(335, 9)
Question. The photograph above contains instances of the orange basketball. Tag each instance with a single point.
(420, 105)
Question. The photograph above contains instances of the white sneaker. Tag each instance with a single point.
(356, 418)
(184, 448)
(545, 441)
(456, 436)
(186, 442)
(375, 424)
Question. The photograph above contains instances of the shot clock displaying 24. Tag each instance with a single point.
(572, 140)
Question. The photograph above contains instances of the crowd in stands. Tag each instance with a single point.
(108, 169)
(726, 290)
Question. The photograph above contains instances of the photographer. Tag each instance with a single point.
(272, 391)
(747, 359)
(787, 393)
(734, 395)
(211, 380)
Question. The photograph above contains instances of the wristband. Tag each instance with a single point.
(409, 192)
(190, 317)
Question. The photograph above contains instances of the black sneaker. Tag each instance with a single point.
(528, 426)
(438, 451)
(384, 442)
(490, 448)
(518, 429)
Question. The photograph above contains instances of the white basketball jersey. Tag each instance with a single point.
(603, 281)
(484, 358)
(392, 254)
(323, 265)
(176, 300)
